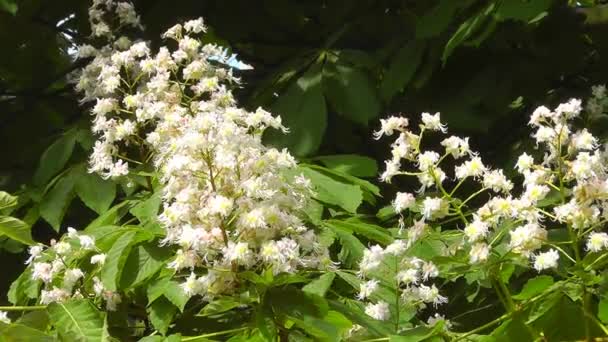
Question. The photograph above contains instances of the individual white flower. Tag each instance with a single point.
(597, 242)
(527, 238)
(392, 169)
(379, 311)
(367, 288)
(42, 271)
(497, 181)
(390, 125)
(196, 26)
(220, 205)
(403, 201)
(540, 115)
(86, 242)
(429, 270)
(433, 122)
(396, 248)
(479, 253)
(535, 193)
(372, 257)
(427, 159)
(583, 140)
(569, 109)
(546, 260)
(55, 295)
(4, 317)
(476, 230)
(457, 147)
(70, 277)
(434, 207)
(470, 168)
(98, 259)
(430, 294)
(192, 285)
(238, 252)
(35, 252)
(409, 276)
(524, 162)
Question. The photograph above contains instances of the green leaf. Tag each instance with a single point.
(147, 210)
(54, 158)
(331, 191)
(302, 108)
(526, 11)
(466, 30)
(56, 202)
(7, 200)
(16, 230)
(9, 6)
(143, 262)
(176, 295)
(370, 231)
(18, 332)
(352, 249)
(110, 217)
(218, 306)
(23, 288)
(534, 287)
(35, 319)
(350, 92)
(115, 261)
(413, 335)
(402, 69)
(437, 20)
(346, 178)
(602, 310)
(77, 320)
(321, 285)
(352, 164)
(161, 313)
(95, 192)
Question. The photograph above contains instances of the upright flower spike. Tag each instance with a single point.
(228, 201)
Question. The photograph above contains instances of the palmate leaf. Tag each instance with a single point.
(77, 320)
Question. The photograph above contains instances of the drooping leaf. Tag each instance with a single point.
(54, 158)
(55, 203)
(302, 108)
(402, 68)
(161, 313)
(115, 260)
(97, 193)
(77, 320)
(350, 91)
(16, 230)
(23, 288)
(467, 29)
(602, 310)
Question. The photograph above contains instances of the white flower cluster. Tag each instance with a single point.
(382, 268)
(229, 202)
(573, 160)
(56, 267)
